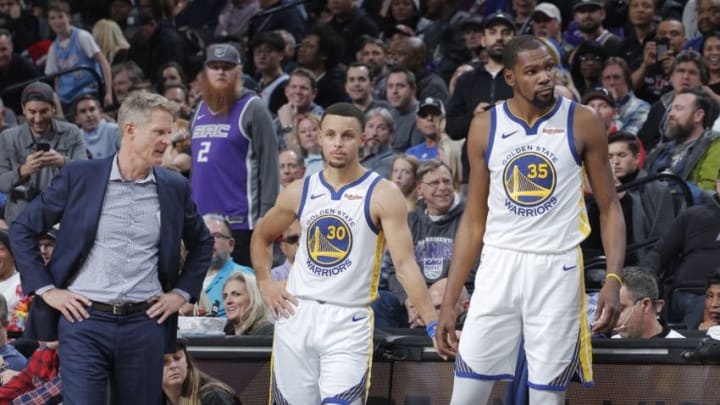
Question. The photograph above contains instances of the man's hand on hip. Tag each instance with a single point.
(72, 306)
(165, 305)
(277, 298)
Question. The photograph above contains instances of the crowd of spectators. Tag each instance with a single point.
(253, 78)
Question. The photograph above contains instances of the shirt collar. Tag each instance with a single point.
(115, 175)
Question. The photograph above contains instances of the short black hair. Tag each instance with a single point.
(330, 44)
(271, 39)
(627, 137)
(712, 34)
(345, 110)
(519, 44)
(713, 278)
(357, 64)
(409, 76)
(87, 96)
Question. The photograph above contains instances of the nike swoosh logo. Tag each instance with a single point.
(200, 116)
(356, 318)
(568, 268)
(314, 196)
(508, 135)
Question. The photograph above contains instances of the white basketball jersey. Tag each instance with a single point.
(338, 259)
(536, 202)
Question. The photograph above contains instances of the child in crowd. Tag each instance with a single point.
(74, 47)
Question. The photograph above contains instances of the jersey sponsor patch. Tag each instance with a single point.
(329, 242)
(529, 181)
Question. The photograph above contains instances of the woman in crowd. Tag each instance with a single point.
(244, 307)
(403, 12)
(404, 168)
(587, 65)
(711, 55)
(110, 39)
(640, 26)
(306, 133)
(170, 74)
(184, 384)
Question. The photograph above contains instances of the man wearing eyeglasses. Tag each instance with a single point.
(234, 152)
(433, 225)
(639, 308)
(221, 264)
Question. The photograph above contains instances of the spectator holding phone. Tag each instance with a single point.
(652, 78)
(31, 154)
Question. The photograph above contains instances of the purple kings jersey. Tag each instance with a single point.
(225, 176)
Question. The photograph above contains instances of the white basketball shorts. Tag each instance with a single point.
(322, 355)
(538, 297)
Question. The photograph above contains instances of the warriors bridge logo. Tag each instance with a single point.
(529, 180)
(329, 242)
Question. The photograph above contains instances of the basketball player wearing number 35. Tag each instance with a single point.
(323, 343)
(525, 216)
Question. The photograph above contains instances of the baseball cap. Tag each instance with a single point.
(584, 3)
(471, 22)
(549, 10)
(38, 91)
(222, 53)
(500, 16)
(601, 93)
(136, 18)
(52, 232)
(430, 103)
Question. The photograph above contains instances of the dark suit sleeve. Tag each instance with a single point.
(199, 245)
(41, 214)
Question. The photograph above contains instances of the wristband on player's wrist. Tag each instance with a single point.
(431, 329)
(615, 276)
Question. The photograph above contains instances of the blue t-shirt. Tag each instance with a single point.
(13, 357)
(423, 152)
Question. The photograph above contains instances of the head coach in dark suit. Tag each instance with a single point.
(113, 287)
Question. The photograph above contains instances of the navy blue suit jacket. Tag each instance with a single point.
(75, 199)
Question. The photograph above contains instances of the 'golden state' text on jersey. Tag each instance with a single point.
(338, 259)
(536, 202)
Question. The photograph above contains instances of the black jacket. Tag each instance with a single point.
(472, 88)
(691, 247)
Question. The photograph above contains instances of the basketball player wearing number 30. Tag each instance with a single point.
(323, 343)
(526, 216)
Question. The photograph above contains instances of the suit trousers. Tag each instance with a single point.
(125, 351)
